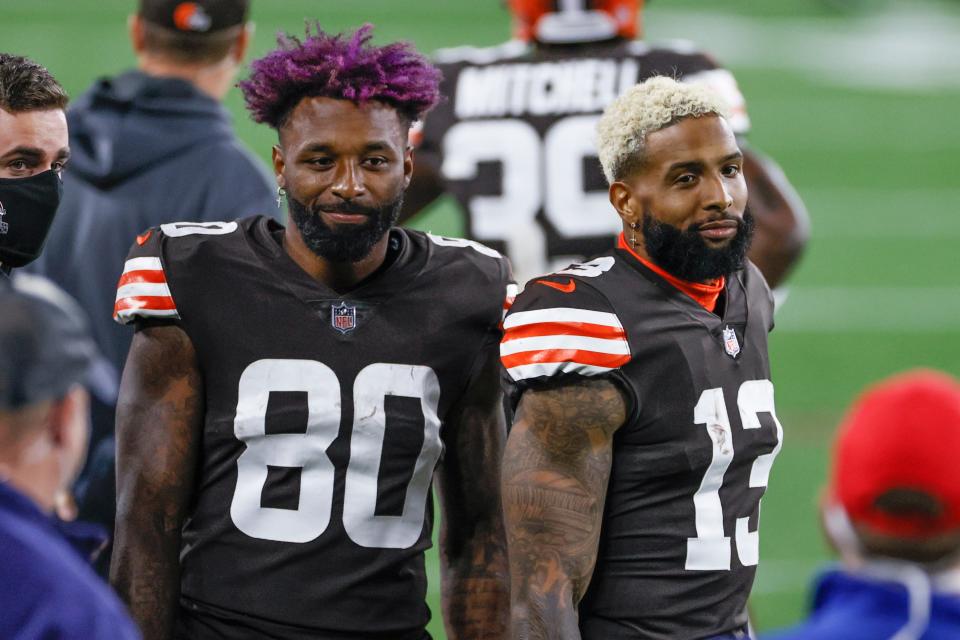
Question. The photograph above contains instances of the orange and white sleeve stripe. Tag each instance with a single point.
(550, 342)
(143, 292)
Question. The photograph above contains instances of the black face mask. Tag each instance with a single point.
(27, 207)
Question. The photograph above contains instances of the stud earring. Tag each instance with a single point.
(281, 194)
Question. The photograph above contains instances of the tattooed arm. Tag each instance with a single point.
(159, 420)
(473, 558)
(555, 472)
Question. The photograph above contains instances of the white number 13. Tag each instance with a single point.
(711, 549)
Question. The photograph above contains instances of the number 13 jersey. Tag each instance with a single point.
(324, 420)
(679, 539)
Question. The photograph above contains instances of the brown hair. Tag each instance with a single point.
(189, 48)
(928, 551)
(909, 504)
(28, 86)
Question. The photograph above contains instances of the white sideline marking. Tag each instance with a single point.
(908, 46)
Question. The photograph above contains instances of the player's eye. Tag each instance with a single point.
(731, 170)
(685, 179)
(375, 161)
(18, 165)
(322, 162)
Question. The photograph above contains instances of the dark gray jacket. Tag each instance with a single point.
(145, 151)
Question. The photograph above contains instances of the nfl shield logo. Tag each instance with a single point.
(343, 317)
(730, 343)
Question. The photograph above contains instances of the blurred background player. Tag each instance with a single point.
(892, 511)
(286, 410)
(46, 588)
(514, 142)
(33, 151)
(646, 428)
(151, 145)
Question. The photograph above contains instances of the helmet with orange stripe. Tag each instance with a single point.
(572, 21)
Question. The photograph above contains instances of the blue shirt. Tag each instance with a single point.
(848, 606)
(46, 589)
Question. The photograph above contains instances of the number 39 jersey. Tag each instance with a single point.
(679, 541)
(514, 141)
(324, 421)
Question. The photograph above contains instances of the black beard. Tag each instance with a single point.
(686, 255)
(348, 243)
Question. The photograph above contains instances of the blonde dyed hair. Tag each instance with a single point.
(654, 104)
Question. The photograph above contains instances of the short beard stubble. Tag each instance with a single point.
(345, 243)
(685, 254)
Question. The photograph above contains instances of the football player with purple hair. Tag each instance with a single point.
(293, 394)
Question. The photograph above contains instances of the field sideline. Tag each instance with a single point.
(858, 109)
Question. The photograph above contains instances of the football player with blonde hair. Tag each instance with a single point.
(645, 426)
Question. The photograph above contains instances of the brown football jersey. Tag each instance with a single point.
(679, 545)
(325, 416)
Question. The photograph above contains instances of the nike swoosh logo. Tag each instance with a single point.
(566, 288)
(142, 239)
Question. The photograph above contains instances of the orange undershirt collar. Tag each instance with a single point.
(705, 293)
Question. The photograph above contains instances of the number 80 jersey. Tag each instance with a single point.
(324, 421)
(679, 542)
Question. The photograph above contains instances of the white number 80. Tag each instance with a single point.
(308, 452)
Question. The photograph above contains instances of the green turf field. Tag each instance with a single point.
(858, 108)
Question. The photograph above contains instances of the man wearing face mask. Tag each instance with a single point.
(33, 150)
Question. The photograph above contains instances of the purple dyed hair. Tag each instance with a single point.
(345, 67)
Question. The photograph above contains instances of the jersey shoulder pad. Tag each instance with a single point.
(479, 271)
(696, 66)
(722, 82)
(561, 326)
(677, 46)
(460, 250)
(481, 55)
(143, 291)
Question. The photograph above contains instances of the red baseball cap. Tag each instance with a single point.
(901, 437)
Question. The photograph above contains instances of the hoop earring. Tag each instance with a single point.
(281, 194)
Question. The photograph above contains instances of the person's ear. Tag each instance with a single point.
(135, 31)
(839, 531)
(624, 200)
(69, 428)
(407, 166)
(242, 44)
(279, 164)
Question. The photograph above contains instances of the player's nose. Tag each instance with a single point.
(348, 181)
(717, 194)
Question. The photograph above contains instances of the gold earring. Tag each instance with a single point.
(633, 234)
